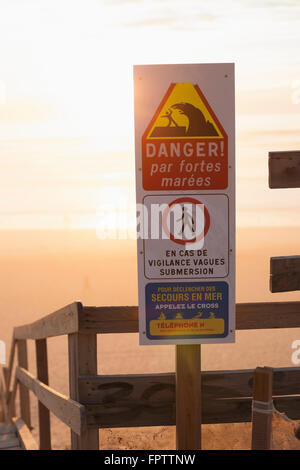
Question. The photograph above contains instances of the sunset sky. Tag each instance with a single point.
(66, 99)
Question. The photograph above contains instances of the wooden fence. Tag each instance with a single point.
(102, 401)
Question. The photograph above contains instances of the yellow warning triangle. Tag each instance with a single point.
(184, 113)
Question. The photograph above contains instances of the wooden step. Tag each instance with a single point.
(6, 428)
(8, 437)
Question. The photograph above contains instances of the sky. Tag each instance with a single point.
(66, 76)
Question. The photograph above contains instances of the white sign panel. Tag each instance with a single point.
(185, 181)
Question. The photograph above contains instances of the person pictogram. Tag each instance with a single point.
(187, 220)
(169, 116)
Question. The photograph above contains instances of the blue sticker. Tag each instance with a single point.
(186, 310)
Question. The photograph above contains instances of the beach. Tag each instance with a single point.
(45, 270)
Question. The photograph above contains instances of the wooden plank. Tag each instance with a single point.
(117, 391)
(188, 397)
(257, 315)
(12, 400)
(109, 320)
(236, 410)
(284, 169)
(9, 442)
(8, 436)
(8, 374)
(88, 365)
(73, 378)
(24, 393)
(239, 383)
(129, 399)
(267, 315)
(149, 400)
(262, 418)
(7, 428)
(25, 436)
(68, 411)
(10, 362)
(61, 322)
(285, 273)
(42, 375)
(4, 436)
(82, 360)
(139, 389)
(288, 405)
(214, 412)
(3, 398)
(101, 416)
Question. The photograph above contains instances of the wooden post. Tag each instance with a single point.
(284, 169)
(9, 368)
(188, 397)
(24, 392)
(12, 400)
(8, 374)
(2, 400)
(82, 361)
(262, 409)
(42, 375)
(284, 273)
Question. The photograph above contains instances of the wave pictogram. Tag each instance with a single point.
(198, 126)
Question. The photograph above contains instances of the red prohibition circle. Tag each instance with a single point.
(206, 224)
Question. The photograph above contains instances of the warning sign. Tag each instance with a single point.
(191, 221)
(184, 145)
(185, 192)
(188, 244)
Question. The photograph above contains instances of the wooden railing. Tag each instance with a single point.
(67, 409)
(108, 401)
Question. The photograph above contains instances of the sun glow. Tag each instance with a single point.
(66, 97)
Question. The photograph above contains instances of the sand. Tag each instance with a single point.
(44, 270)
